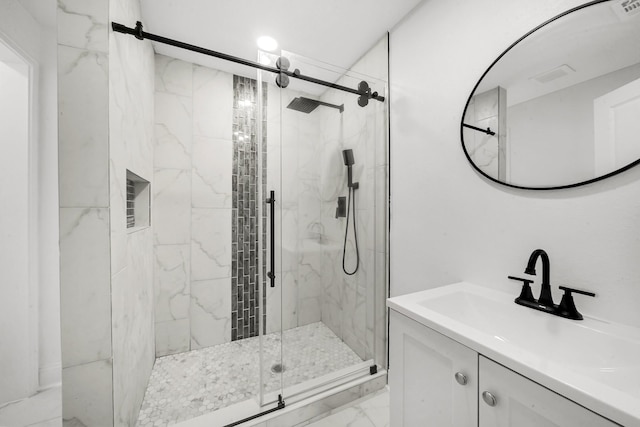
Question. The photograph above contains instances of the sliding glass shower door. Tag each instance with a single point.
(323, 216)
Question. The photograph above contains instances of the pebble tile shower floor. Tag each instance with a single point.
(186, 385)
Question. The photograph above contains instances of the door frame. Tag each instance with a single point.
(33, 207)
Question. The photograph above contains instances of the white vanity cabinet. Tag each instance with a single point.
(508, 399)
(427, 387)
(422, 381)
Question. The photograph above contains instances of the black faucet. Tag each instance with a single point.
(545, 292)
(566, 308)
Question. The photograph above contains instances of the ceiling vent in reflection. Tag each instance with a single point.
(554, 74)
(625, 9)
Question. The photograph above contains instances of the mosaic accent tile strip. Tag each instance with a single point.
(186, 385)
(245, 301)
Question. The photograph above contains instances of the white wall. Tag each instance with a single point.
(49, 254)
(15, 332)
(564, 144)
(34, 37)
(450, 224)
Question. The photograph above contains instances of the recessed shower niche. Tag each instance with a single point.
(138, 198)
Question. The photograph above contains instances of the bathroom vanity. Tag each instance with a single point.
(466, 355)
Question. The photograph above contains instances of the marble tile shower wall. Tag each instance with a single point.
(105, 126)
(193, 197)
(85, 299)
(131, 110)
(83, 106)
(353, 306)
(192, 205)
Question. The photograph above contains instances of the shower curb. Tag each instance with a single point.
(306, 410)
(319, 406)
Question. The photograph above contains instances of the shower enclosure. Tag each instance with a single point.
(253, 309)
(305, 170)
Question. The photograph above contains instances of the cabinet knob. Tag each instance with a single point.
(489, 398)
(461, 378)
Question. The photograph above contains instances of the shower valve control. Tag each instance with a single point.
(341, 210)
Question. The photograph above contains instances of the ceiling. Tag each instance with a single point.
(589, 43)
(43, 12)
(10, 59)
(336, 32)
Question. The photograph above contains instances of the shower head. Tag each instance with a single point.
(304, 105)
(307, 105)
(347, 156)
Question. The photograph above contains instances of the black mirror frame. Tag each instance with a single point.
(558, 187)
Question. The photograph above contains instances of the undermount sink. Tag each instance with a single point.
(593, 362)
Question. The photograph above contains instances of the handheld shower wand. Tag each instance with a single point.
(347, 157)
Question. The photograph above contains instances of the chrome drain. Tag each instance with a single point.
(277, 368)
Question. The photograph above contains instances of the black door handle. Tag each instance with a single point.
(272, 244)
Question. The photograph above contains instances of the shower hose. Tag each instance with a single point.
(355, 234)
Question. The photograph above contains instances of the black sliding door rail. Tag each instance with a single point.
(138, 33)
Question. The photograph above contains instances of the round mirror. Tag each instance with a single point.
(561, 106)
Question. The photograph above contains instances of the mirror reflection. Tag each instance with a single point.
(561, 107)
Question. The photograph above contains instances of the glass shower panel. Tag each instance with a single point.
(329, 284)
(249, 234)
(271, 296)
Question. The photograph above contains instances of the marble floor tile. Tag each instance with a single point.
(42, 409)
(186, 385)
(370, 411)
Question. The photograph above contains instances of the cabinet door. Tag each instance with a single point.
(422, 383)
(520, 402)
